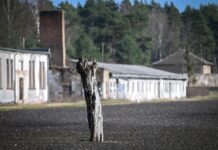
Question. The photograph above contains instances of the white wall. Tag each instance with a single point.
(146, 89)
(202, 80)
(6, 95)
(36, 95)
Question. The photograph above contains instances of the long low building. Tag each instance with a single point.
(23, 75)
(138, 83)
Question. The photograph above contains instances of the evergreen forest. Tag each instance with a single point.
(129, 32)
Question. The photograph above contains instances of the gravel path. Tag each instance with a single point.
(170, 125)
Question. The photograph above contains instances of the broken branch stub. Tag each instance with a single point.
(94, 109)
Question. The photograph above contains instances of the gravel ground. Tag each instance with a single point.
(168, 125)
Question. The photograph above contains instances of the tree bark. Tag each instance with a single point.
(94, 109)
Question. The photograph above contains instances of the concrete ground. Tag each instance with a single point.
(169, 125)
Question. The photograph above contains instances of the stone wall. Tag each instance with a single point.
(197, 91)
(64, 85)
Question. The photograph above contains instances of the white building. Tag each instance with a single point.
(23, 75)
(137, 83)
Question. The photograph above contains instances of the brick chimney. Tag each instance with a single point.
(52, 35)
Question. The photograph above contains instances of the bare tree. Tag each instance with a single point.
(188, 43)
(157, 28)
(16, 23)
(36, 6)
(94, 109)
(10, 12)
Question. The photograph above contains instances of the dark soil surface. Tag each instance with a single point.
(146, 126)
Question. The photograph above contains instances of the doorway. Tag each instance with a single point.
(21, 89)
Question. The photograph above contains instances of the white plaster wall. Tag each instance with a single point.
(204, 80)
(112, 89)
(6, 95)
(147, 89)
(36, 95)
(122, 89)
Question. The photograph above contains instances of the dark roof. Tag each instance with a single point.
(178, 58)
(30, 50)
(136, 71)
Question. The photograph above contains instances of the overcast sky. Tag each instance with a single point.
(180, 4)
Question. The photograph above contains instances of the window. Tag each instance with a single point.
(10, 74)
(127, 86)
(32, 74)
(21, 65)
(145, 87)
(107, 87)
(111, 87)
(149, 85)
(0, 73)
(133, 86)
(170, 87)
(42, 75)
(138, 86)
(142, 89)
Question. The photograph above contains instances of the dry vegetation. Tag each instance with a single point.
(81, 103)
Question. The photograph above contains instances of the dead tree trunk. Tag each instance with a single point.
(94, 109)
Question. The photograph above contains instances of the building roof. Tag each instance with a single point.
(178, 58)
(136, 71)
(45, 51)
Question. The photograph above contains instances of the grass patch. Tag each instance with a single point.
(77, 104)
(211, 96)
(41, 106)
(81, 103)
(116, 102)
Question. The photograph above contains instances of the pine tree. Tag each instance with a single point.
(203, 44)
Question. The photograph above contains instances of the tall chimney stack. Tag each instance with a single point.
(52, 35)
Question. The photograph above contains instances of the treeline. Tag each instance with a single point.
(134, 33)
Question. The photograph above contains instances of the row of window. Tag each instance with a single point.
(10, 74)
(146, 86)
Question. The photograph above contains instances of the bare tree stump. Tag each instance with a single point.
(94, 109)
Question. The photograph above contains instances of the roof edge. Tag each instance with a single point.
(178, 77)
(203, 61)
(33, 51)
(159, 61)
